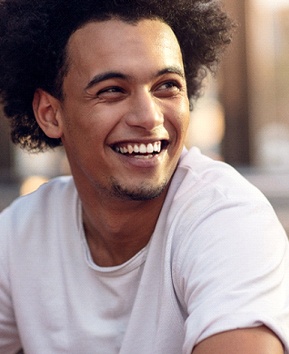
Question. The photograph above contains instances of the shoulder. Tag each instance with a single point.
(56, 186)
(198, 173)
(54, 197)
(219, 218)
(204, 191)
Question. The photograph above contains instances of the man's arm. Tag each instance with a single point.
(258, 340)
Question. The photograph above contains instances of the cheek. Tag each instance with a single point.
(84, 125)
(185, 115)
(180, 118)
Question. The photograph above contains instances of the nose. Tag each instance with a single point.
(144, 111)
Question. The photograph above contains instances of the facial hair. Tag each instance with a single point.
(140, 193)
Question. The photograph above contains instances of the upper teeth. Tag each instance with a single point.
(140, 148)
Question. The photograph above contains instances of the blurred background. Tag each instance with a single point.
(243, 117)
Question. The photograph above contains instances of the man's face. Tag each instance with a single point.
(125, 110)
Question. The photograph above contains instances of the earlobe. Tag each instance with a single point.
(47, 113)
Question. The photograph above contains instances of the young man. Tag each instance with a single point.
(147, 248)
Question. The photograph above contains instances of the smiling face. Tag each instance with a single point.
(125, 110)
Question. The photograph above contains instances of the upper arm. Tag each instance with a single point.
(259, 340)
(232, 275)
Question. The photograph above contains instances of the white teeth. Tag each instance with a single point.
(150, 148)
(157, 146)
(140, 149)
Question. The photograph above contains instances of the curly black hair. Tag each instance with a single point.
(34, 36)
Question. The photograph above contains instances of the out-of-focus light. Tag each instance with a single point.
(31, 183)
(207, 126)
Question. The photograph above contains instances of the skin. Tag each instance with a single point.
(258, 340)
(119, 91)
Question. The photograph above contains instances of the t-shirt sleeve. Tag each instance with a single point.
(231, 271)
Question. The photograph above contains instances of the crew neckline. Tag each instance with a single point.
(136, 261)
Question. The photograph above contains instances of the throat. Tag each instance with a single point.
(115, 252)
(116, 232)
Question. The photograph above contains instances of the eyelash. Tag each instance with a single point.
(110, 89)
(171, 84)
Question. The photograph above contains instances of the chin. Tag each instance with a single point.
(140, 193)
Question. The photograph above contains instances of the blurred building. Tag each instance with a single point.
(252, 90)
(268, 63)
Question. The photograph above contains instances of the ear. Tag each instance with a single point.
(47, 111)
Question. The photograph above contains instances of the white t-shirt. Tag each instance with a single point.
(217, 260)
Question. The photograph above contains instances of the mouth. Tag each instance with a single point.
(141, 150)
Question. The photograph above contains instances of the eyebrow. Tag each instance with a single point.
(172, 70)
(105, 76)
(118, 75)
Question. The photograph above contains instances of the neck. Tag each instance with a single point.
(116, 230)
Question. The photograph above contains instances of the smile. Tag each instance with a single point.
(141, 150)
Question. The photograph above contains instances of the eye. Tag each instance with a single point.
(111, 93)
(168, 89)
(168, 85)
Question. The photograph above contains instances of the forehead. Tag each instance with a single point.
(115, 44)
